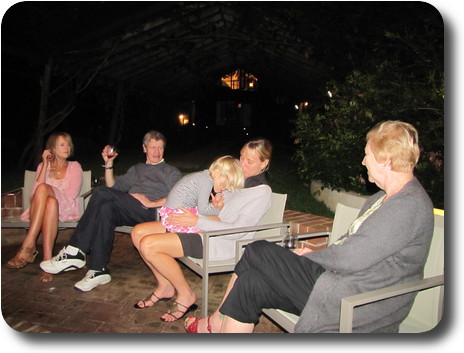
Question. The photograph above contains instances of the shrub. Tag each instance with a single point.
(331, 137)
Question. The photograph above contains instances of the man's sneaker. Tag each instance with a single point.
(93, 279)
(64, 261)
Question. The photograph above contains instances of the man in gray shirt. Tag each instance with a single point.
(129, 199)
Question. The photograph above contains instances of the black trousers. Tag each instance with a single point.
(107, 209)
(270, 276)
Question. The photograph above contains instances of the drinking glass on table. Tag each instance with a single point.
(290, 241)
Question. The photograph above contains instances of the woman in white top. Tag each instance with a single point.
(241, 208)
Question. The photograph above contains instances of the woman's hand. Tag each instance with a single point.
(47, 156)
(302, 251)
(186, 219)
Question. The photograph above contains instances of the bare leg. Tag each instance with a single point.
(36, 212)
(164, 289)
(233, 326)
(49, 233)
(217, 319)
(143, 229)
(160, 250)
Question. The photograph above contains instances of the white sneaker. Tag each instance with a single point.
(64, 261)
(93, 279)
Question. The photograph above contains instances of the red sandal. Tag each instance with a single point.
(193, 327)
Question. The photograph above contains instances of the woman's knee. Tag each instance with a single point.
(258, 249)
(137, 234)
(257, 254)
(147, 245)
(43, 190)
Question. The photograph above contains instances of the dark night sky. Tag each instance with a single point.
(32, 30)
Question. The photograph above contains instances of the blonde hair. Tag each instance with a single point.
(262, 147)
(51, 142)
(229, 168)
(397, 141)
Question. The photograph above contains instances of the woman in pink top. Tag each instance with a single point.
(54, 197)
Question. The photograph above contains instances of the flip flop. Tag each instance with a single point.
(147, 300)
(193, 327)
(188, 309)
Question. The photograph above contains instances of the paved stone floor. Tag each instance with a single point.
(56, 307)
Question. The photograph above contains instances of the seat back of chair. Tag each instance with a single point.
(427, 309)
(275, 214)
(29, 178)
(86, 181)
(344, 216)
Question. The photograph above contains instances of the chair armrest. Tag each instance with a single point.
(349, 303)
(241, 244)
(249, 229)
(216, 233)
(84, 200)
(87, 194)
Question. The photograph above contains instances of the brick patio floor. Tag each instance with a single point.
(31, 306)
(56, 307)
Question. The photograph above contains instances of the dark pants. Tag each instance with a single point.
(107, 209)
(270, 276)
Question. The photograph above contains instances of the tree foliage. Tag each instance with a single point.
(404, 80)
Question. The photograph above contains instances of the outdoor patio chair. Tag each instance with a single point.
(344, 216)
(427, 309)
(270, 225)
(29, 178)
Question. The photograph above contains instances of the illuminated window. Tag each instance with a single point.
(183, 119)
(239, 79)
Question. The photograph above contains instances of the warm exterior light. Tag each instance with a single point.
(183, 119)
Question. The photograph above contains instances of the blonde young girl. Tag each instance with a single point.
(193, 192)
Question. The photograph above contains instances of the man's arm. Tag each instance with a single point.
(147, 202)
(109, 176)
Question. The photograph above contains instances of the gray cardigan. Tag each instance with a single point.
(390, 247)
(242, 208)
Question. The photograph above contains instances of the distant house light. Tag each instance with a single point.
(183, 119)
(240, 80)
